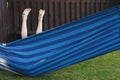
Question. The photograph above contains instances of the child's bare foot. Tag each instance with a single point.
(26, 12)
(41, 14)
(4, 44)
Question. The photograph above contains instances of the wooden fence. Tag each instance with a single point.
(58, 12)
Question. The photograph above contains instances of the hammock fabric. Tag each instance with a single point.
(68, 44)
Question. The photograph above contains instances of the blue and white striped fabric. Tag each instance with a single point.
(54, 49)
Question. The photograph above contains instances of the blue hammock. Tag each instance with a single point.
(68, 44)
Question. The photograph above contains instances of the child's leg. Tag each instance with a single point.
(24, 22)
(40, 19)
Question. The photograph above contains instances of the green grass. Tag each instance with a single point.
(106, 67)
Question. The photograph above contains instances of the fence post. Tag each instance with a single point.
(3, 21)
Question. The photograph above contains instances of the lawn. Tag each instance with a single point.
(106, 67)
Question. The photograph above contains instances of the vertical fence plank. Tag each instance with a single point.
(112, 2)
(78, 9)
(39, 6)
(11, 30)
(109, 3)
(57, 12)
(62, 12)
(0, 20)
(45, 6)
(51, 14)
(34, 14)
(88, 7)
(92, 6)
(102, 4)
(21, 9)
(83, 8)
(73, 11)
(67, 11)
(4, 21)
(97, 6)
(28, 4)
(16, 14)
